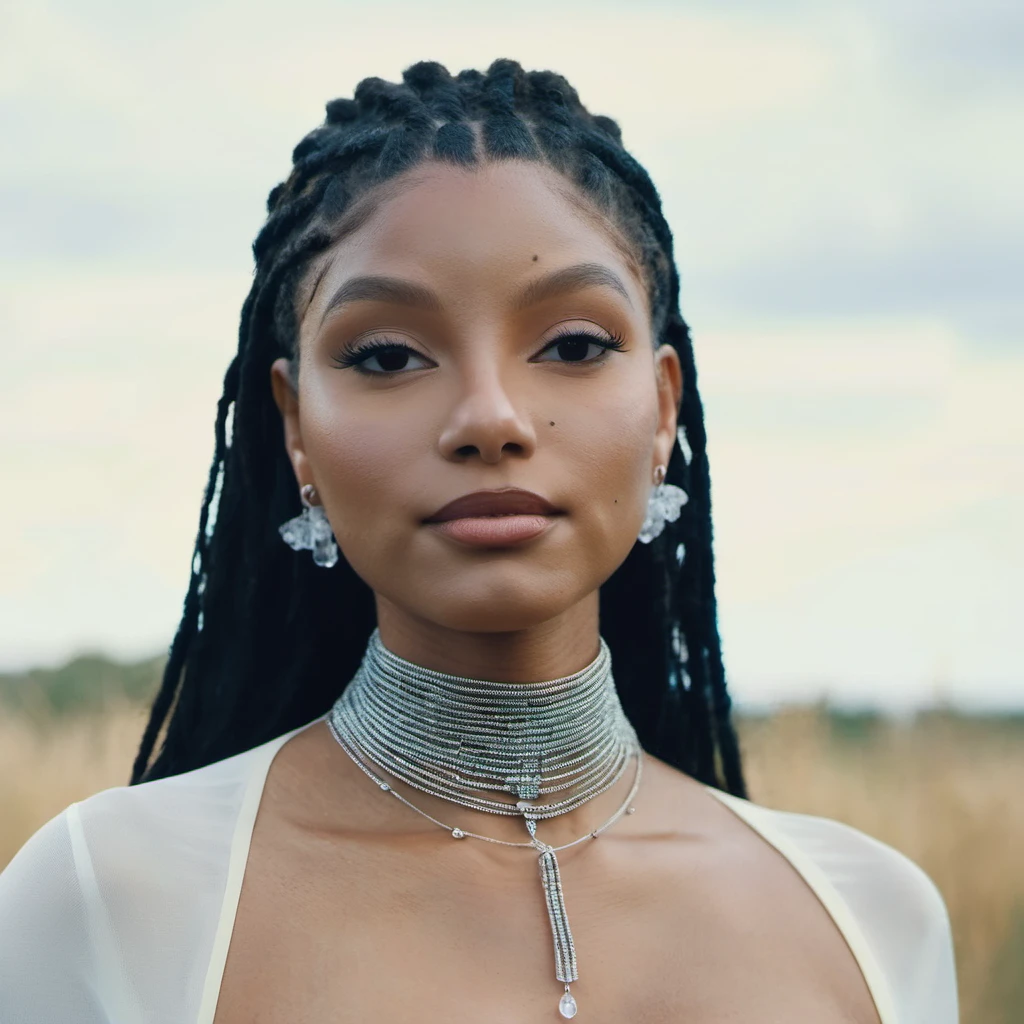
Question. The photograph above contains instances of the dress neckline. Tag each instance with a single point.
(761, 820)
(241, 841)
(754, 815)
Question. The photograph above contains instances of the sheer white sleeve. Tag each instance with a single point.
(114, 911)
(48, 967)
(889, 910)
(898, 909)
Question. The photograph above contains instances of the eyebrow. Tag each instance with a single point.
(569, 279)
(376, 288)
(373, 288)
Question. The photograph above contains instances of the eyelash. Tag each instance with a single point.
(356, 357)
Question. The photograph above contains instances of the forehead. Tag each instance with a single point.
(484, 221)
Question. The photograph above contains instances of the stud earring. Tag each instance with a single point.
(310, 530)
(664, 506)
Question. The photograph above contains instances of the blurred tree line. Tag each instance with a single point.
(92, 681)
(88, 682)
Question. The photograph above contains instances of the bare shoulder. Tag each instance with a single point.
(819, 878)
(861, 866)
(810, 841)
(885, 902)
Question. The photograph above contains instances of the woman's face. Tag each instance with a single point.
(498, 378)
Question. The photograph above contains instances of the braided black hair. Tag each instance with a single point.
(260, 649)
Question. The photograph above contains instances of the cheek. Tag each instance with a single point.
(373, 462)
(361, 459)
(611, 447)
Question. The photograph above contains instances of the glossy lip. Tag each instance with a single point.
(508, 501)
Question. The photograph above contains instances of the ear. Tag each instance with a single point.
(288, 404)
(669, 379)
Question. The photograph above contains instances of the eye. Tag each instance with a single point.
(391, 357)
(573, 344)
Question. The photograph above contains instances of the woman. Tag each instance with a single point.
(464, 385)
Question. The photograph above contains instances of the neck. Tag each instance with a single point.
(535, 751)
(548, 650)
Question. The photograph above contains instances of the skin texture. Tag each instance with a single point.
(384, 453)
(353, 908)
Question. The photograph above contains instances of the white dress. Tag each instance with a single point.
(119, 910)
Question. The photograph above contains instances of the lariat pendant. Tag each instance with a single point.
(474, 742)
(565, 951)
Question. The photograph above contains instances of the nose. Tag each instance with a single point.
(484, 420)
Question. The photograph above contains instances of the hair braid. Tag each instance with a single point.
(438, 90)
(259, 649)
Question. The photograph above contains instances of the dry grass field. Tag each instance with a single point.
(943, 788)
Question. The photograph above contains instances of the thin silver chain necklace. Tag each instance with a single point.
(459, 738)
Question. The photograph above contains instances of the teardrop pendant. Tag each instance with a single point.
(567, 1004)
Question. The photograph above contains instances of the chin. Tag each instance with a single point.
(494, 615)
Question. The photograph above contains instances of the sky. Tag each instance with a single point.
(843, 183)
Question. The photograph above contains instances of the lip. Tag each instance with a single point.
(498, 518)
(493, 531)
(508, 501)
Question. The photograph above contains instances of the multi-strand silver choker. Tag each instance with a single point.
(551, 745)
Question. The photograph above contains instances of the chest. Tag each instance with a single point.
(349, 929)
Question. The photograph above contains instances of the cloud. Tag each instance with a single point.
(106, 422)
(805, 164)
(867, 486)
(801, 487)
(842, 181)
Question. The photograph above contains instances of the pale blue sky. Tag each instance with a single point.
(843, 183)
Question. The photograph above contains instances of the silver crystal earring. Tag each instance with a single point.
(310, 530)
(664, 506)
